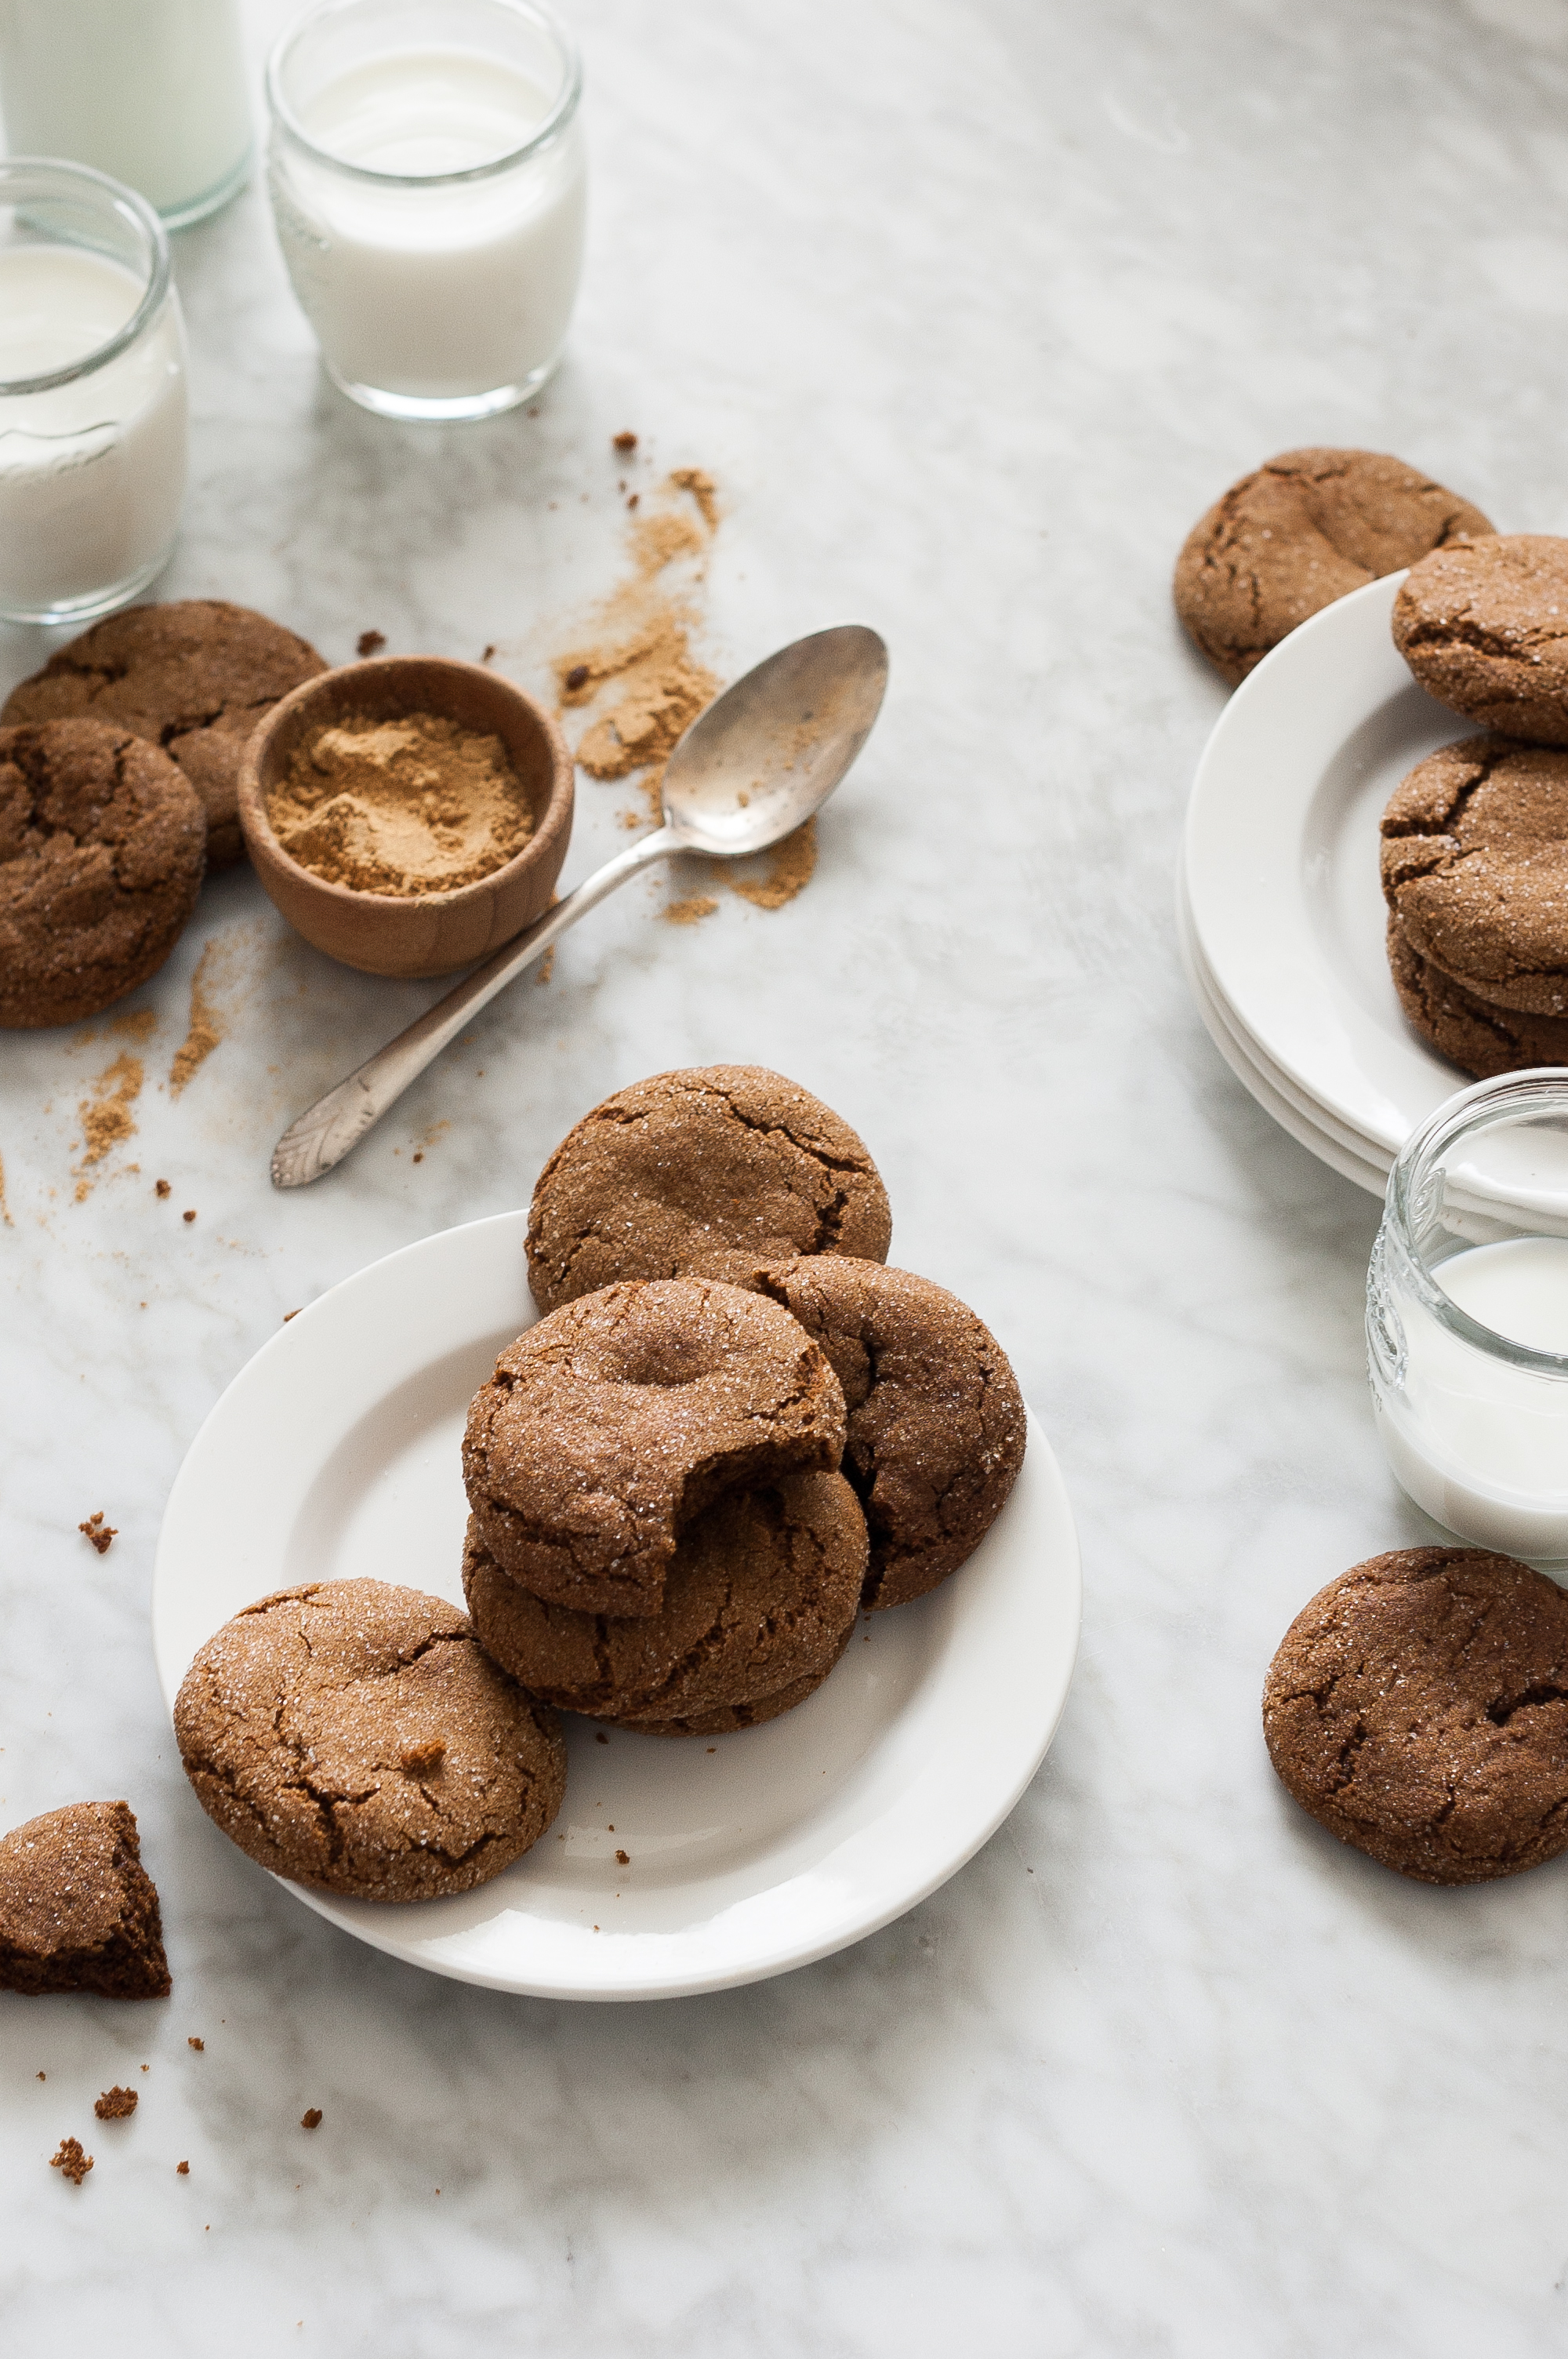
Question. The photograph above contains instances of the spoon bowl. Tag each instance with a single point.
(767, 753)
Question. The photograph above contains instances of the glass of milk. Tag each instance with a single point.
(1468, 1317)
(153, 91)
(93, 398)
(427, 180)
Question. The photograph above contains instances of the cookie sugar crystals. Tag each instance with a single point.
(1468, 1317)
(427, 182)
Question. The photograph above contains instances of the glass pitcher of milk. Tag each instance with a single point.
(1468, 1316)
(92, 400)
(427, 180)
(152, 91)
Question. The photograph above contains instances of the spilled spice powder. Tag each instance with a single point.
(411, 806)
(791, 866)
(640, 670)
(206, 1028)
(107, 1117)
(137, 1024)
(689, 912)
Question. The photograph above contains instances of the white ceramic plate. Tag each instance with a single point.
(1280, 862)
(335, 1452)
(1341, 1149)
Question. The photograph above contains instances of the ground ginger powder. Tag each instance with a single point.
(408, 806)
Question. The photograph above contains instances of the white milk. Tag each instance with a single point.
(151, 92)
(434, 293)
(91, 473)
(1481, 1445)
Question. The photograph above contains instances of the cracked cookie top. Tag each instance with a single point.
(1300, 531)
(937, 1421)
(101, 862)
(1484, 627)
(1418, 1708)
(761, 1595)
(194, 677)
(1474, 862)
(356, 1736)
(709, 1173)
(609, 1427)
(78, 1910)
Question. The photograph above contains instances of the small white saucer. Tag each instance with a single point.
(336, 1452)
(1281, 871)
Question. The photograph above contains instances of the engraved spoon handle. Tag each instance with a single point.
(326, 1131)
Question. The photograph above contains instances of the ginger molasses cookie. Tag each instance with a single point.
(711, 1172)
(936, 1420)
(1483, 626)
(101, 857)
(1474, 860)
(1418, 1708)
(194, 677)
(78, 1910)
(609, 1427)
(1302, 530)
(761, 1595)
(356, 1736)
(1483, 1039)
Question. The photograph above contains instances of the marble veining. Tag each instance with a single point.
(969, 307)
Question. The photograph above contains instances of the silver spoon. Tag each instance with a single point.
(750, 770)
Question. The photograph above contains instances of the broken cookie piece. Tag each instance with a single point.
(78, 1910)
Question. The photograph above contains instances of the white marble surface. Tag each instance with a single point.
(970, 309)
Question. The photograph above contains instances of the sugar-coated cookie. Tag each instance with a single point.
(1484, 627)
(709, 1172)
(102, 846)
(609, 1425)
(760, 1595)
(194, 677)
(1482, 1039)
(1300, 531)
(936, 1420)
(1418, 1708)
(354, 1735)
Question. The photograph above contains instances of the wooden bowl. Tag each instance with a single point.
(425, 933)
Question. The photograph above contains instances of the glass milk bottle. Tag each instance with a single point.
(153, 92)
(1468, 1317)
(93, 401)
(427, 173)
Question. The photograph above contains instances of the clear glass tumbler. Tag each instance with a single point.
(92, 394)
(1468, 1316)
(153, 92)
(428, 179)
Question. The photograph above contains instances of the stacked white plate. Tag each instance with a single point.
(1279, 908)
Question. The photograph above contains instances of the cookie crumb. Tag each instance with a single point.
(200, 2045)
(43, 2076)
(419, 1155)
(622, 1859)
(161, 1188)
(71, 2161)
(626, 440)
(312, 2120)
(488, 657)
(713, 1748)
(372, 642)
(100, 1533)
(188, 1216)
(116, 2103)
(182, 2171)
(576, 678)
(289, 1315)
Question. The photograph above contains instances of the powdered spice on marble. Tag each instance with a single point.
(408, 806)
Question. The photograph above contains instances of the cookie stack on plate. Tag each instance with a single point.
(1475, 841)
(734, 1427)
